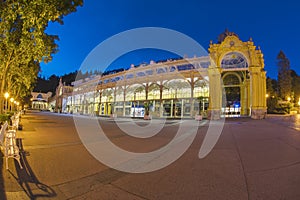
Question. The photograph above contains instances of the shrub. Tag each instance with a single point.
(5, 117)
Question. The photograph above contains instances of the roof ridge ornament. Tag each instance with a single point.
(226, 33)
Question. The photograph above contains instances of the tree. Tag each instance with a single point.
(23, 41)
(272, 98)
(295, 85)
(49, 85)
(284, 76)
(271, 87)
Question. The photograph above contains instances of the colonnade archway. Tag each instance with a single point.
(236, 95)
(237, 79)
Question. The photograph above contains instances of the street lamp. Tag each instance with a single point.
(6, 95)
(134, 104)
(11, 103)
(299, 106)
(15, 102)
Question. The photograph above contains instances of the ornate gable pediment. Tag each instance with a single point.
(232, 43)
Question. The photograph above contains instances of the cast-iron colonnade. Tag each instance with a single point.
(231, 81)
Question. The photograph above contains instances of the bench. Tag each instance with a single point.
(14, 126)
(2, 133)
(8, 144)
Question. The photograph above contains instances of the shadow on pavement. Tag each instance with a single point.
(27, 180)
(2, 192)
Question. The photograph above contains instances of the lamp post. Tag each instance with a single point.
(134, 104)
(15, 105)
(18, 103)
(6, 95)
(299, 105)
(11, 103)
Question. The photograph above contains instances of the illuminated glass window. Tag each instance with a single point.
(234, 60)
(149, 72)
(129, 76)
(140, 74)
(161, 70)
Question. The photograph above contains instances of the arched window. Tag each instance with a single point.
(234, 60)
(231, 79)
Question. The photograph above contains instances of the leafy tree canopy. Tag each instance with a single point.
(24, 42)
(49, 85)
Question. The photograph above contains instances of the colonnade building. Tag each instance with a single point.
(40, 101)
(230, 81)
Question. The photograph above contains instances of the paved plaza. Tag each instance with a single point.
(253, 159)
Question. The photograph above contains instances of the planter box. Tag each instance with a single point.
(198, 117)
(147, 117)
(293, 112)
(113, 116)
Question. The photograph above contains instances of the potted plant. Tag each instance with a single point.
(147, 111)
(112, 114)
(199, 116)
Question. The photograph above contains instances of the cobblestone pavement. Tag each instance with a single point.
(253, 159)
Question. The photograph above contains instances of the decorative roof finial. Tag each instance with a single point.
(226, 31)
(222, 36)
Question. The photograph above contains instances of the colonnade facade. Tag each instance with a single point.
(175, 88)
(231, 81)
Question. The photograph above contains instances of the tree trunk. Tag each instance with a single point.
(2, 84)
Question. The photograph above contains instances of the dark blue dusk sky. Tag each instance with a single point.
(273, 25)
